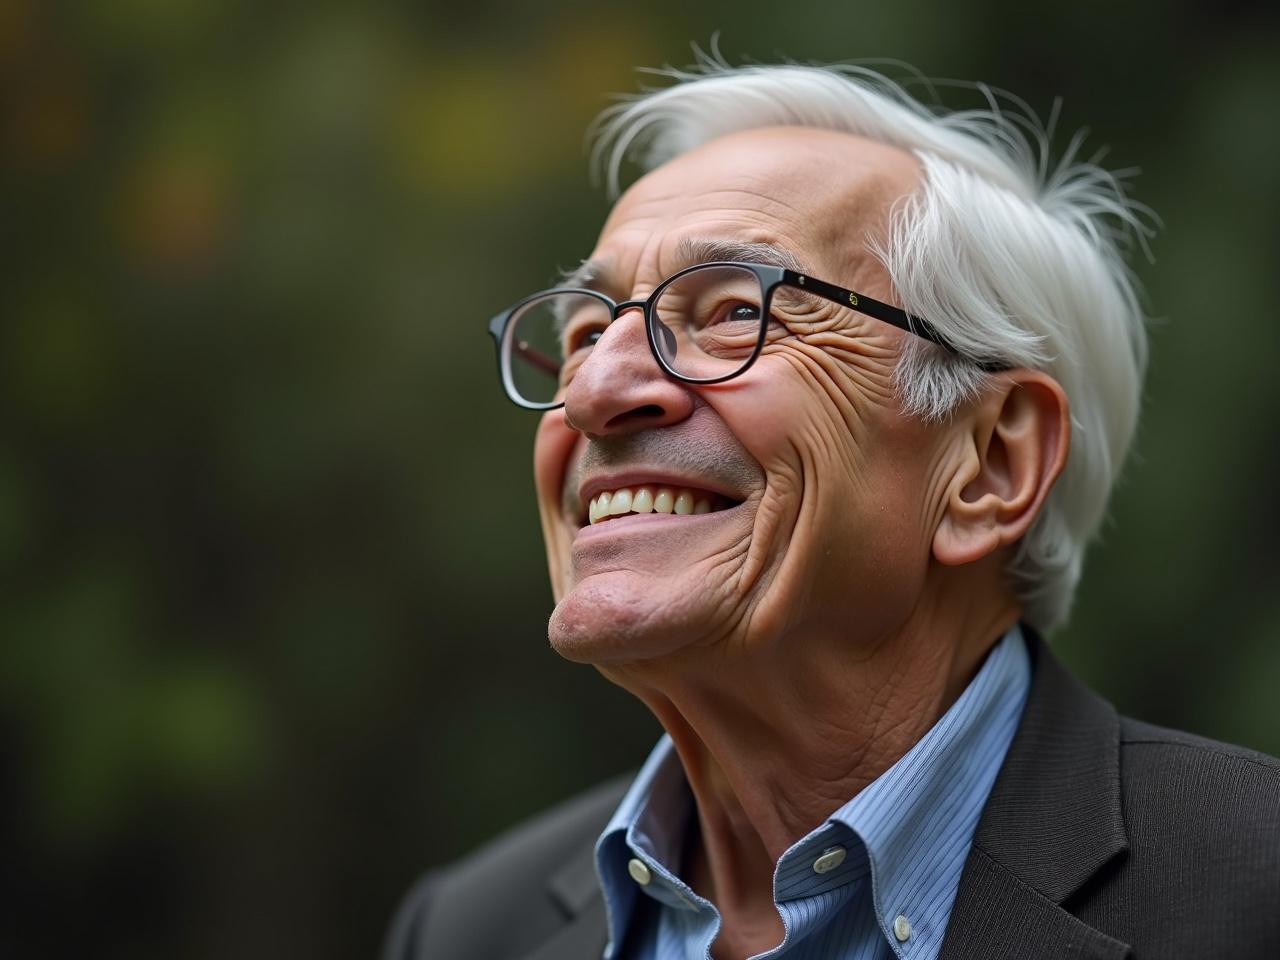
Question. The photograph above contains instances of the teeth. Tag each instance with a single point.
(621, 502)
(663, 500)
(614, 503)
(599, 507)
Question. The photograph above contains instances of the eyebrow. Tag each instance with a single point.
(598, 275)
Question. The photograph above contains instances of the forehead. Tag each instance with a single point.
(820, 193)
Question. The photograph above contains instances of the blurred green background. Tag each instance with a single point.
(271, 584)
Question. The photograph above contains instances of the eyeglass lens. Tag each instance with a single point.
(706, 326)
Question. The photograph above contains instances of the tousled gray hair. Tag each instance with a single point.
(1010, 257)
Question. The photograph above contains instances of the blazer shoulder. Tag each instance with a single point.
(1137, 733)
(541, 843)
(508, 877)
(1222, 799)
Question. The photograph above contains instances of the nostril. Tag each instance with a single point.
(648, 411)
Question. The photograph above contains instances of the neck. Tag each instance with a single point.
(773, 743)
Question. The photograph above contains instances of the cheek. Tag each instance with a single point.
(553, 453)
(846, 475)
(807, 416)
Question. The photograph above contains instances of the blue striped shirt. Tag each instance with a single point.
(875, 881)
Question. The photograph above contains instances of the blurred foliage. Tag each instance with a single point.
(273, 590)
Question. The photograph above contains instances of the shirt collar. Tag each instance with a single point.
(651, 819)
(916, 820)
(911, 828)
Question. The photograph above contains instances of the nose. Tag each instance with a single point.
(620, 387)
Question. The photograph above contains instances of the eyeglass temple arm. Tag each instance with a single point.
(868, 305)
(536, 357)
(547, 364)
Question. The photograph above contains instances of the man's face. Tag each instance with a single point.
(824, 495)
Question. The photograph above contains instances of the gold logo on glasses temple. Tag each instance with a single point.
(853, 299)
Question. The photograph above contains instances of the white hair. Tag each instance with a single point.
(1010, 258)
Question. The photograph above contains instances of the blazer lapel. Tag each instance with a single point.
(997, 917)
(586, 931)
(1053, 820)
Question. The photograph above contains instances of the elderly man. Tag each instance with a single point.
(831, 412)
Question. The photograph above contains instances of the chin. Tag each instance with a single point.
(600, 622)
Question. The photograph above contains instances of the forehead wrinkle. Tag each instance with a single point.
(702, 236)
(768, 211)
(762, 198)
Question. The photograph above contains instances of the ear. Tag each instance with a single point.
(1017, 445)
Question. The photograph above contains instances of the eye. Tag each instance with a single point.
(736, 311)
(581, 337)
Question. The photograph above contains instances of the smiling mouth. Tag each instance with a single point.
(680, 501)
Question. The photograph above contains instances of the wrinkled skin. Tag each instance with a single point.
(819, 450)
(798, 643)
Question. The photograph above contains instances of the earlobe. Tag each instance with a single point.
(1015, 450)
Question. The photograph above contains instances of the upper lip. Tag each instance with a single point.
(596, 483)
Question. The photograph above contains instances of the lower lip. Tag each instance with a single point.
(636, 522)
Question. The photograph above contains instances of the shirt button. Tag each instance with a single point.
(902, 928)
(831, 858)
(639, 872)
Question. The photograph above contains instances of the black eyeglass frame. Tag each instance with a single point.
(770, 278)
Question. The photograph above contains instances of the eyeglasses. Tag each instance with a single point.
(705, 324)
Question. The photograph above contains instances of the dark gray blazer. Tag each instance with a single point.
(1102, 838)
